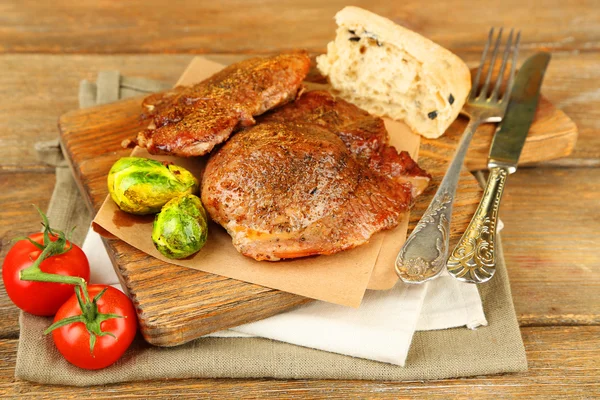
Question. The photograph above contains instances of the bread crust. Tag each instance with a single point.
(446, 70)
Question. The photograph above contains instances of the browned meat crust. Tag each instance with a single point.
(313, 177)
(190, 121)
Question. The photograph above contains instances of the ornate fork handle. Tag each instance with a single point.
(424, 254)
(474, 259)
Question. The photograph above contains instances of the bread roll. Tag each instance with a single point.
(391, 71)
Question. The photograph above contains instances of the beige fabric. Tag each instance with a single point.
(433, 355)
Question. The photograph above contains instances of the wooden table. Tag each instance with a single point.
(551, 211)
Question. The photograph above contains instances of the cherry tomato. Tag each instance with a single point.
(41, 298)
(73, 339)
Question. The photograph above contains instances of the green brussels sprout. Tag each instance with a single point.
(142, 186)
(180, 229)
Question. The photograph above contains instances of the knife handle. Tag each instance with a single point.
(473, 260)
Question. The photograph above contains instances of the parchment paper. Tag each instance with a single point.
(341, 278)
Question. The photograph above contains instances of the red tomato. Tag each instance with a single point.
(41, 298)
(73, 340)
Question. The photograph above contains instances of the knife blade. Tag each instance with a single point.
(510, 135)
(473, 260)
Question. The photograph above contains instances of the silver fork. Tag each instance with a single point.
(424, 254)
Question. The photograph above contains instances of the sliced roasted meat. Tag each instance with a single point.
(191, 121)
(313, 177)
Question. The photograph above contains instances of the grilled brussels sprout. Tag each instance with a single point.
(180, 229)
(142, 186)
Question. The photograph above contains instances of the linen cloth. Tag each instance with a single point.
(433, 355)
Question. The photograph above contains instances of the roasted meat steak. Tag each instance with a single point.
(315, 176)
(191, 121)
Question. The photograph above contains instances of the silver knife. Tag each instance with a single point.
(474, 258)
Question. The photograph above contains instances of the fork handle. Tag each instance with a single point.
(473, 260)
(424, 254)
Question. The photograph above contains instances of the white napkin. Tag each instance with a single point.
(381, 329)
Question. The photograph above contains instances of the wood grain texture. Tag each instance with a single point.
(36, 89)
(194, 303)
(572, 83)
(577, 375)
(18, 218)
(32, 98)
(551, 240)
(239, 26)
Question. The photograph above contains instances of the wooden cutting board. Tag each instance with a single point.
(177, 304)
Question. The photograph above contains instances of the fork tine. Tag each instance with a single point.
(475, 83)
(483, 93)
(512, 68)
(500, 78)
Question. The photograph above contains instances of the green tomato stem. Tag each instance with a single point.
(49, 248)
(35, 274)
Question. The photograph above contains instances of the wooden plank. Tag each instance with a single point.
(563, 363)
(32, 99)
(239, 26)
(571, 83)
(35, 90)
(551, 242)
(17, 218)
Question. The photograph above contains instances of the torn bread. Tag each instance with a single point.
(391, 71)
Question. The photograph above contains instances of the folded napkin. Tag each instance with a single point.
(433, 354)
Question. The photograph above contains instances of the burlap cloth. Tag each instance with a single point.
(458, 352)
